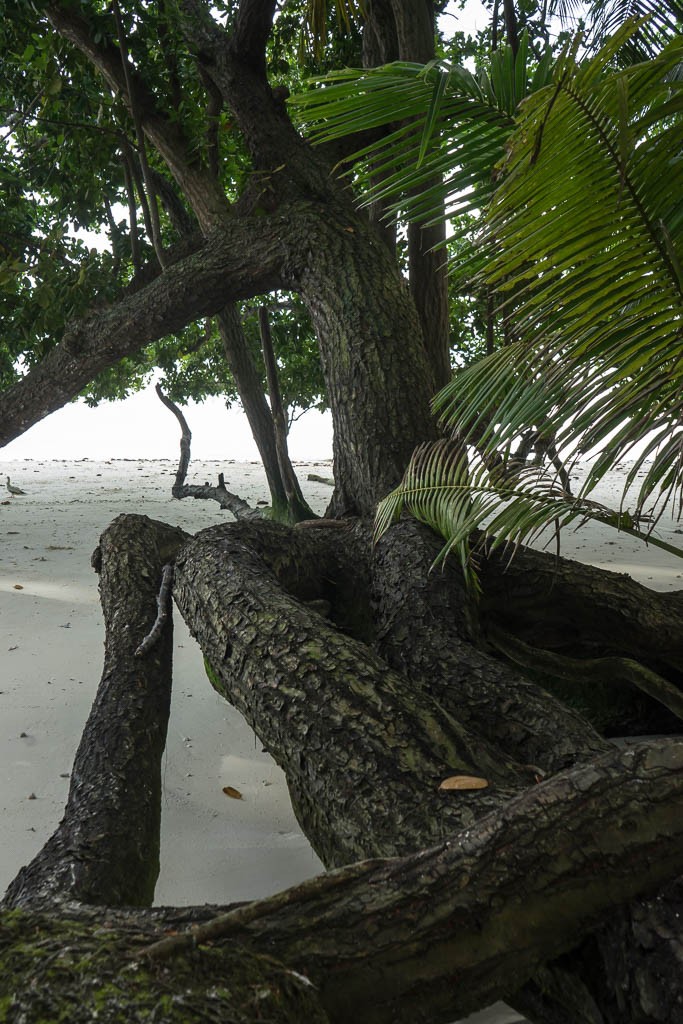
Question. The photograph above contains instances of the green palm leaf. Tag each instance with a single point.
(583, 238)
(583, 243)
(444, 128)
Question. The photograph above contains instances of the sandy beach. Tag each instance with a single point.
(214, 849)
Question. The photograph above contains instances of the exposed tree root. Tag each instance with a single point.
(516, 873)
(106, 849)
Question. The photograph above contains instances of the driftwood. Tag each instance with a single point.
(240, 508)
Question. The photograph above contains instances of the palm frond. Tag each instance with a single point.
(584, 241)
(658, 22)
(443, 128)
(480, 507)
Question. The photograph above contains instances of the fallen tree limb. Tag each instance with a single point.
(425, 938)
(163, 611)
(564, 605)
(240, 508)
(450, 929)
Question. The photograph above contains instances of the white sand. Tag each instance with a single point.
(214, 849)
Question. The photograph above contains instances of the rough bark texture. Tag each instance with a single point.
(106, 849)
(563, 979)
(250, 388)
(510, 883)
(560, 603)
(80, 968)
(426, 622)
(323, 705)
(373, 346)
(420, 939)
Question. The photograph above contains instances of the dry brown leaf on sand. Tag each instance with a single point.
(234, 793)
(463, 782)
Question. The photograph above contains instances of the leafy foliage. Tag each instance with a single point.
(69, 212)
(583, 240)
(445, 124)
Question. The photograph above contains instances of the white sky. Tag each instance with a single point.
(142, 428)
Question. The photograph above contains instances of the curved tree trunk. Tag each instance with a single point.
(107, 850)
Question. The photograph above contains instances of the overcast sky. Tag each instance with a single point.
(140, 427)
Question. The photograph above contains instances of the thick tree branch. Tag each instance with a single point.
(243, 260)
(425, 629)
(320, 701)
(447, 930)
(558, 603)
(426, 938)
(274, 145)
(201, 188)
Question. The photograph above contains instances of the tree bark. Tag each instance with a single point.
(558, 603)
(425, 938)
(106, 849)
(311, 756)
(370, 343)
(364, 751)
(366, 713)
(249, 385)
(427, 628)
(323, 705)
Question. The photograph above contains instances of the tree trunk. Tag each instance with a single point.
(324, 706)
(364, 749)
(370, 343)
(427, 625)
(250, 388)
(249, 679)
(106, 850)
